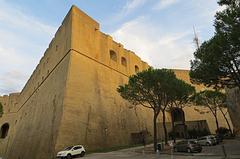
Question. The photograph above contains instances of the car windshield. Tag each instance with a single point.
(68, 148)
(192, 142)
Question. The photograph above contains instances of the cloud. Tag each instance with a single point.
(163, 4)
(22, 42)
(133, 4)
(11, 81)
(155, 45)
(14, 17)
(128, 8)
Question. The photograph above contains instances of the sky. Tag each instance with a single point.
(159, 31)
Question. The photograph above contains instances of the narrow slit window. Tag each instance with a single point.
(136, 69)
(123, 61)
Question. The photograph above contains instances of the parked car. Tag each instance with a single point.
(218, 138)
(207, 141)
(187, 146)
(72, 151)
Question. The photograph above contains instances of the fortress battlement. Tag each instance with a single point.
(77, 33)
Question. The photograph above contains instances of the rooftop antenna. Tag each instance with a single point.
(196, 39)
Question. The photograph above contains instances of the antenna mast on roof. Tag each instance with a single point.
(196, 39)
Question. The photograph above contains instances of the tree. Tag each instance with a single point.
(1, 109)
(183, 93)
(224, 113)
(153, 89)
(211, 100)
(217, 60)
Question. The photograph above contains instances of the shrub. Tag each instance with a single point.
(193, 133)
(222, 131)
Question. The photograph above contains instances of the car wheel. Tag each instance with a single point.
(189, 150)
(69, 156)
(82, 154)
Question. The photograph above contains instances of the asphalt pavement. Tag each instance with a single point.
(228, 149)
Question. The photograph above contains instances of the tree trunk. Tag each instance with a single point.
(165, 128)
(173, 130)
(184, 124)
(216, 120)
(224, 115)
(155, 131)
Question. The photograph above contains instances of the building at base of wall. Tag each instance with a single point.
(191, 129)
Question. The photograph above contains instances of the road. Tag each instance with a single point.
(232, 148)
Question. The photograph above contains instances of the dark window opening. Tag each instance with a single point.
(113, 55)
(136, 69)
(123, 61)
(4, 130)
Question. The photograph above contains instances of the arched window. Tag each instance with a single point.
(136, 69)
(113, 55)
(4, 130)
(123, 61)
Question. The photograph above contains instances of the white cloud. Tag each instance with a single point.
(156, 45)
(133, 4)
(128, 8)
(22, 42)
(162, 4)
(14, 17)
(11, 81)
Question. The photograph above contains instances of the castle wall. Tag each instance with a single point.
(94, 113)
(8, 117)
(38, 111)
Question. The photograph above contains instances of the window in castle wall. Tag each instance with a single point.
(123, 61)
(4, 130)
(113, 55)
(136, 69)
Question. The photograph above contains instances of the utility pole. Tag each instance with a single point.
(196, 39)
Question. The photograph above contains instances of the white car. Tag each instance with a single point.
(206, 141)
(72, 151)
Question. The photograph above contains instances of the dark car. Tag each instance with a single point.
(187, 146)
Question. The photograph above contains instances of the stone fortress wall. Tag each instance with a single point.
(233, 100)
(71, 97)
(36, 116)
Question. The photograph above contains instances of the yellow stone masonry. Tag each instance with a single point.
(71, 96)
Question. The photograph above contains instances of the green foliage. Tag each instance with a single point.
(183, 92)
(213, 100)
(148, 87)
(217, 60)
(155, 89)
(193, 133)
(223, 131)
(209, 98)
